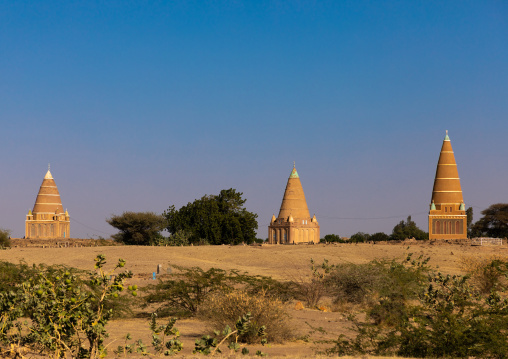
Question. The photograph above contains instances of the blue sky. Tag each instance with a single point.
(140, 105)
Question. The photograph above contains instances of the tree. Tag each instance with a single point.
(214, 219)
(379, 236)
(408, 229)
(359, 237)
(5, 239)
(332, 238)
(469, 214)
(138, 228)
(494, 222)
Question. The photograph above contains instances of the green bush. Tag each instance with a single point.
(449, 319)
(377, 282)
(66, 317)
(12, 275)
(5, 239)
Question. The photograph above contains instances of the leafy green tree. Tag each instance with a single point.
(469, 214)
(5, 239)
(379, 236)
(214, 219)
(408, 229)
(332, 238)
(360, 237)
(494, 222)
(138, 228)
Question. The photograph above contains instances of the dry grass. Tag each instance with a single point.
(225, 309)
(484, 276)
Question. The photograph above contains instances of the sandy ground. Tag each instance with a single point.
(281, 262)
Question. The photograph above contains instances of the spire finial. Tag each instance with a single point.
(49, 166)
(294, 164)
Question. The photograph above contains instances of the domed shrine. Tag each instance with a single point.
(47, 219)
(447, 215)
(293, 224)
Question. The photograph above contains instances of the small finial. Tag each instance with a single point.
(49, 166)
(294, 165)
(446, 137)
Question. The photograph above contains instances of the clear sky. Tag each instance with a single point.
(139, 105)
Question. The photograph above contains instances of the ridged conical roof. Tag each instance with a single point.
(447, 182)
(293, 202)
(48, 199)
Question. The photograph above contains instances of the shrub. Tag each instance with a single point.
(5, 239)
(211, 345)
(377, 280)
(12, 275)
(311, 290)
(186, 290)
(221, 310)
(66, 318)
(450, 319)
(486, 274)
(180, 238)
(351, 283)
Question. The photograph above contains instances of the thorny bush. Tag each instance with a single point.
(184, 292)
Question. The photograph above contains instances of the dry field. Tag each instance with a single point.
(280, 262)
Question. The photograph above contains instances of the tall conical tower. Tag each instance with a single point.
(294, 224)
(48, 219)
(447, 215)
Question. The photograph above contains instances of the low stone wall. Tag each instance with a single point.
(61, 243)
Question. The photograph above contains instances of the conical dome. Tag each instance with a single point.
(447, 182)
(48, 199)
(293, 202)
